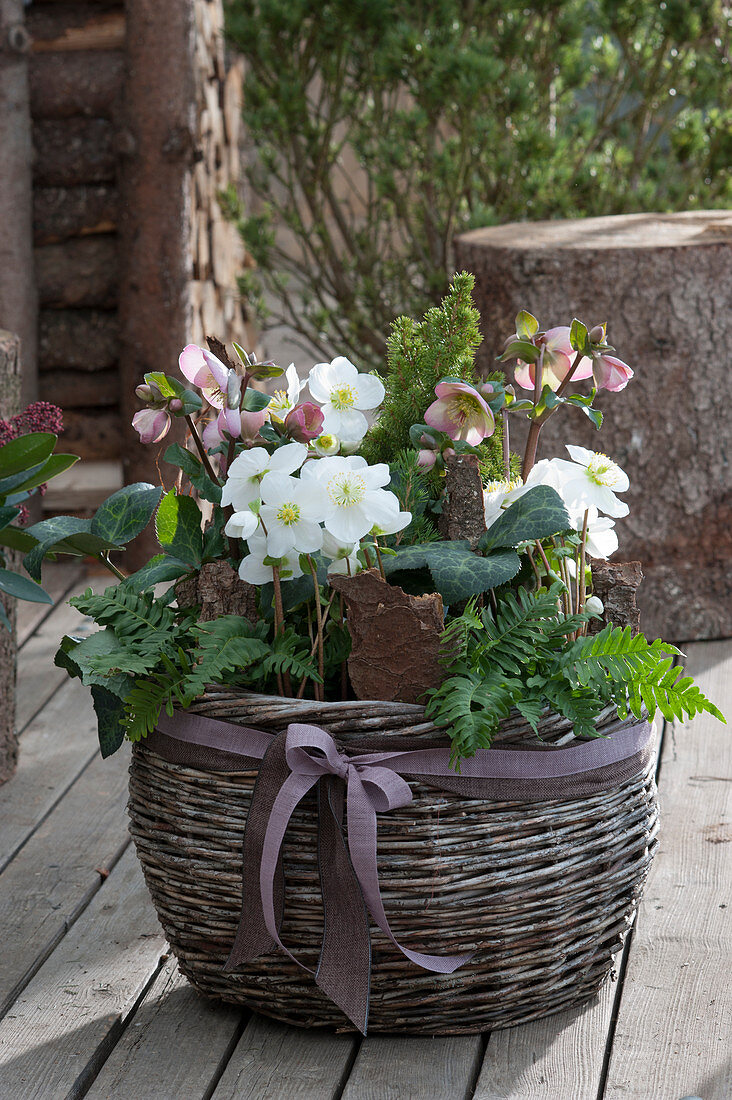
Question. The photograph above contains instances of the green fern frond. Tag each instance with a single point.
(132, 615)
(228, 644)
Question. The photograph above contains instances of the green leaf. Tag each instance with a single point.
(159, 569)
(520, 349)
(537, 514)
(578, 336)
(526, 323)
(594, 415)
(81, 656)
(126, 513)
(192, 467)
(52, 467)
(63, 535)
(255, 400)
(13, 482)
(14, 584)
(169, 387)
(7, 515)
(178, 527)
(109, 709)
(456, 571)
(16, 539)
(28, 450)
(225, 645)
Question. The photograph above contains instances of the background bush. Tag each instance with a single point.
(384, 127)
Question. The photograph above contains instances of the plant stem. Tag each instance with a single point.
(202, 450)
(378, 555)
(369, 562)
(506, 445)
(533, 566)
(279, 626)
(536, 425)
(581, 571)
(112, 567)
(319, 621)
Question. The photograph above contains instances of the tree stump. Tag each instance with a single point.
(662, 281)
(9, 405)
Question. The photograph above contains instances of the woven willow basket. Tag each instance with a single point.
(545, 890)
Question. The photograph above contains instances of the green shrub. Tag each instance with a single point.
(383, 128)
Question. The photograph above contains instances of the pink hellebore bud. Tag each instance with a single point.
(152, 424)
(461, 413)
(175, 405)
(426, 459)
(305, 422)
(611, 373)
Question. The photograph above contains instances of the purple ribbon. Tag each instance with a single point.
(294, 762)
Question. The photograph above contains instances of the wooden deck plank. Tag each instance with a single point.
(38, 677)
(57, 745)
(56, 874)
(406, 1068)
(675, 1020)
(63, 1025)
(58, 579)
(176, 1045)
(563, 1052)
(284, 1063)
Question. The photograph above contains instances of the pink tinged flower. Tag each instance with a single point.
(206, 371)
(304, 423)
(151, 424)
(461, 413)
(611, 373)
(558, 358)
(426, 459)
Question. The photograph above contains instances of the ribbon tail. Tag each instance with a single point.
(252, 937)
(344, 967)
(361, 817)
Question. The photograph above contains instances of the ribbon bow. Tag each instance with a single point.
(291, 767)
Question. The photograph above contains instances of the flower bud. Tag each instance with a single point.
(448, 452)
(327, 445)
(145, 392)
(304, 423)
(426, 459)
(594, 605)
(597, 334)
(175, 405)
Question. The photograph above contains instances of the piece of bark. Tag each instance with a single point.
(80, 272)
(87, 83)
(616, 584)
(63, 212)
(71, 151)
(80, 339)
(463, 512)
(395, 638)
(219, 591)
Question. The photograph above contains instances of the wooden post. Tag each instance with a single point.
(18, 305)
(662, 282)
(10, 378)
(155, 215)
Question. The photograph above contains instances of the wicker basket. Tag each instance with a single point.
(545, 890)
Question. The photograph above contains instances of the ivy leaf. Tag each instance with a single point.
(121, 517)
(456, 571)
(19, 455)
(537, 514)
(109, 709)
(178, 527)
(63, 535)
(14, 584)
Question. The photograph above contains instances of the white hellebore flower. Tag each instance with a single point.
(242, 525)
(498, 495)
(327, 444)
(602, 540)
(343, 392)
(592, 479)
(356, 501)
(343, 559)
(291, 511)
(248, 469)
(284, 401)
(253, 569)
(595, 605)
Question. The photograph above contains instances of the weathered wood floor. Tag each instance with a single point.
(92, 1004)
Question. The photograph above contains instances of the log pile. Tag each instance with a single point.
(88, 134)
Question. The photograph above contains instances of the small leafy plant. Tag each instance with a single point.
(303, 495)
